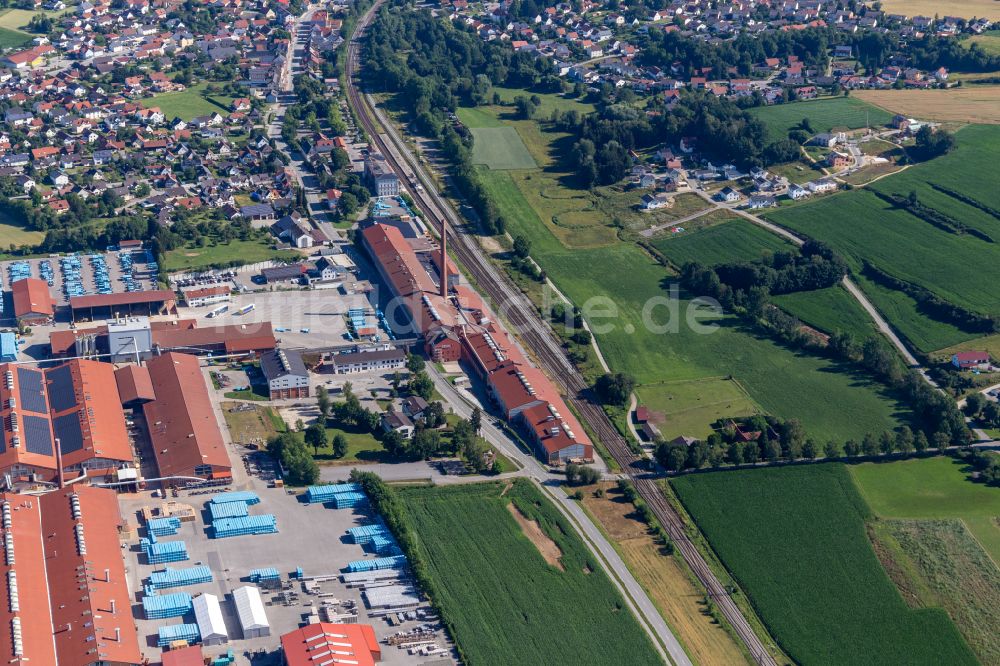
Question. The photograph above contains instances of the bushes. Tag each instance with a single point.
(930, 215)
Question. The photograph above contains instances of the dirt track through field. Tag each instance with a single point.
(546, 546)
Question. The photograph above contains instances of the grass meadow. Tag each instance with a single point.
(795, 539)
(690, 407)
(833, 113)
(189, 103)
(504, 601)
(224, 254)
(828, 310)
(731, 241)
(500, 148)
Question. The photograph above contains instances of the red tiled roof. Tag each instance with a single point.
(124, 298)
(32, 297)
(188, 656)
(181, 421)
(353, 643)
(134, 384)
(398, 261)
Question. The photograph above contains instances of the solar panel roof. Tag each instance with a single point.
(61, 395)
(68, 431)
(31, 391)
(38, 437)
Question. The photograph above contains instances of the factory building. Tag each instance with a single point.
(32, 301)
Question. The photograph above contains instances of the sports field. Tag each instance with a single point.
(829, 310)
(689, 408)
(500, 148)
(834, 113)
(518, 586)
(796, 541)
(932, 488)
(732, 241)
(969, 104)
(964, 8)
(189, 103)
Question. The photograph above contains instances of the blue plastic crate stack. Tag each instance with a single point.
(162, 606)
(228, 510)
(178, 632)
(18, 271)
(245, 496)
(264, 575)
(163, 552)
(376, 538)
(377, 564)
(163, 526)
(230, 527)
(162, 580)
(323, 494)
(385, 546)
(46, 273)
(102, 276)
(71, 271)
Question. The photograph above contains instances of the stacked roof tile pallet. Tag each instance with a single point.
(163, 526)
(377, 564)
(167, 551)
(245, 496)
(230, 527)
(329, 493)
(227, 510)
(264, 575)
(161, 580)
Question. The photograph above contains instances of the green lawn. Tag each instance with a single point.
(14, 231)
(13, 39)
(234, 253)
(550, 101)
(932, 488)
(592, 263)
(828, 310)
(735, 240)
(475, 118)
(503, 601)
(834, 113)
(689, 408)
(988, 41)
(361, 447)
(796, 541)
(500, 148)
(189, 103)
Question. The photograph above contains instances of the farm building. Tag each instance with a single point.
(250, 611)
(971, 360)
(32, 301)
(356, 643)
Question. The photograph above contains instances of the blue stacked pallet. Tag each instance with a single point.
(178, 632)
(230, 527)
(163, 526)
(385, 546)
(162, 606)
(349, 500)
(161, 580)
(227, 510)
(266, 574)
(377, 564)
(318, 494)
(167, 551)
(364, 533)
(245, 496)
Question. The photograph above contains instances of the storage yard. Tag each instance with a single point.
(322, 562)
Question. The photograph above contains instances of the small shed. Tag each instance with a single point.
(208, 615)
(250, 610)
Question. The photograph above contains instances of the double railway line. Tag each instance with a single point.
(521, 314)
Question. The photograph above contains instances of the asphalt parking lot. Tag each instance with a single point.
(312, 537)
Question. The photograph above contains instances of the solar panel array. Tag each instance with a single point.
(31, 391)
(38, 437)
(68, 431)
(61, 395)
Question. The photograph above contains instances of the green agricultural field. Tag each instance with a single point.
(12, 39)
(988, 41)
(828, 310)
(689, 408)
(500, 148)
(234, 253)
(550, 101)
(834, 113)
(189, 103)
(732, 241)
(932, 488)
(796, 541)
(588, 262)
(14, 232)
(475, 118)
(503, 587)
(938, 563)
(990, 343)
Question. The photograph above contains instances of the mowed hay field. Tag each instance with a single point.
(932, 488)
(968, 104)
(505, 603)
(734, 240)
(690, 408)
(834, 113)
(964, 8)
(829, 310)
(796, 541)
(500, 148)
(665, 578)
(189, 103)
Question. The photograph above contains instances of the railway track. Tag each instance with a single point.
(520, 313)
